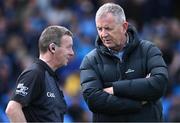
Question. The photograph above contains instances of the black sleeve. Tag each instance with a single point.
(28, 87)
(149, 89)
(97, 99)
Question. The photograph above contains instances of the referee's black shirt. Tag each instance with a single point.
(38, 91)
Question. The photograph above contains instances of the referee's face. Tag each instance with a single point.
(65, 52)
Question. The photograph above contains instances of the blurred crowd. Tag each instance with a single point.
(22, 21)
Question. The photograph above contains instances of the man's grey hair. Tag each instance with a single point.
(52, 34)
(112, 8)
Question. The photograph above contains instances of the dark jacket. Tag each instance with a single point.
(101, 69)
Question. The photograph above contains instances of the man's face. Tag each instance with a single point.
(111, 32)
(65, 52)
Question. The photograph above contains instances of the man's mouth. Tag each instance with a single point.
(107, 41)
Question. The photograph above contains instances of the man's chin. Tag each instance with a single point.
(66, 63)
(109, 46)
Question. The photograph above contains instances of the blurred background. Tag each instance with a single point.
(22, 21)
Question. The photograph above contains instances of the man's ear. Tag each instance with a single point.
(52, 48)
(125, 26)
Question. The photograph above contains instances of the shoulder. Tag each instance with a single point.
(149, 47)
(32, 72)
(34, 69)
(146, 43)
(92, 53)
(89, 58)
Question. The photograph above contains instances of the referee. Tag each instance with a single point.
(37, 97)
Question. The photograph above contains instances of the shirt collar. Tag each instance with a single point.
(45, 65)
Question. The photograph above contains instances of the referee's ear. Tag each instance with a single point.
(52, 48)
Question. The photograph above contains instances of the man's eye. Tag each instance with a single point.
(99, 29)
(108, 28)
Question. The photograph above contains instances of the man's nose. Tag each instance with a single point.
(104, 33)
(72, 52)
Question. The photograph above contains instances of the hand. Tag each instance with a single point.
(109, 90)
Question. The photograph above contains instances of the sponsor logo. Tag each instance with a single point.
(50, 94)
(129, 71)
(21, 89)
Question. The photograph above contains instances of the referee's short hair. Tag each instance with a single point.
(52, 34)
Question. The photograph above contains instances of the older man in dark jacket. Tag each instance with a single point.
(124, 77)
